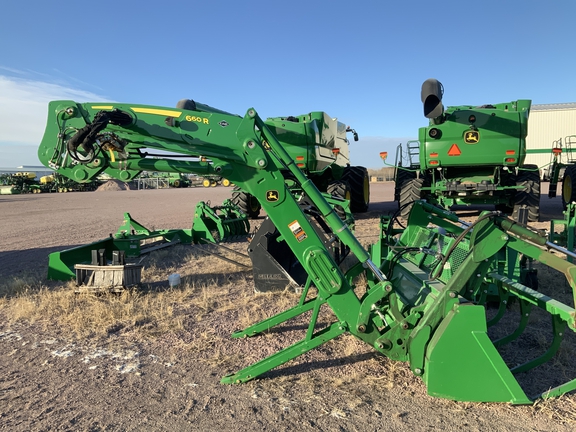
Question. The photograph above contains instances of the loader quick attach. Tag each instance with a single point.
(421, 294)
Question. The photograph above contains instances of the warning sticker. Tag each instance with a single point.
(454, 151)
(297, 230)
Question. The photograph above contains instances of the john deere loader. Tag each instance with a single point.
(420, 294)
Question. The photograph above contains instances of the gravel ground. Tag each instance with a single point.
(171, 382)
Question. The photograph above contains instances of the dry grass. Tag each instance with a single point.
(152, 309)
(85, 314)
(212, 293)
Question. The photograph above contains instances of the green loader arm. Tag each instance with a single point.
(84, 140)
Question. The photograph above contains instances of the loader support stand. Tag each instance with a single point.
(309, 343)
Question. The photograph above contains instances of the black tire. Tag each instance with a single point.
(340, 189)
(530, 195)
(569, 186)
(410, 191)
(507, 180)
(402, 176)
(247, 203)
(359, 181)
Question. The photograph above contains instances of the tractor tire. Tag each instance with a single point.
(530, 195)
(213, 183)
(225, 182)
(206, 182)
(247, 203)
(340, 189)
(401, 177)
(410, 191)
(569, 186)
(359, 182)
(507, 209)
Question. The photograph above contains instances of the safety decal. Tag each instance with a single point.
(472, 137)
(297, 230)
(454, 151)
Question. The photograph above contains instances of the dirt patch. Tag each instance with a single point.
(113, 185)
(158, 367)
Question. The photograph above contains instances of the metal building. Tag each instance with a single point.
(548, 123)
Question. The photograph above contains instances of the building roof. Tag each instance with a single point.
(555, 106)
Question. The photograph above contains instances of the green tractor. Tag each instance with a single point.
(469, 155)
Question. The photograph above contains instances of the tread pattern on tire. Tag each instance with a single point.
(357, 177)
(246, 202)
(410, 191)
(339, 189)
(569, 175)
(530, 195)
(401, 177)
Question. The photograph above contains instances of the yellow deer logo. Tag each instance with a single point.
(272, 195)
(472, 137)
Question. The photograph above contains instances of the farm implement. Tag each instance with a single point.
(214, 225)
(432, 293)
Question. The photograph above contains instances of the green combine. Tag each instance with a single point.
(469, 155)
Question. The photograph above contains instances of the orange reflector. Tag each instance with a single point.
(433, 154)
(336, 151)
(454, 151)
(300, 165)
(510, 160)
(510, 152)
(299, 158)
(433, 162)
(384, 155)
(556, 150)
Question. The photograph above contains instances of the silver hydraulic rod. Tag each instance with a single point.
(560, 249)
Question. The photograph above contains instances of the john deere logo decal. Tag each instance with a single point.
(472, 137)
(272, 196)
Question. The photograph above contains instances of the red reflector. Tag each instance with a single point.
(300, 165)
(556, 150)
(384, 155)
(454, 151)
(298, 158)
(336, 151)
(433, 154)
(510, 160)
(433, 162)
(510, 152)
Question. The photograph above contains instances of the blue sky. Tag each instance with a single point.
(362, 61)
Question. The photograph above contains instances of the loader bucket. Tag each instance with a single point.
(275, 266)
(218, 224)
(463, 280)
